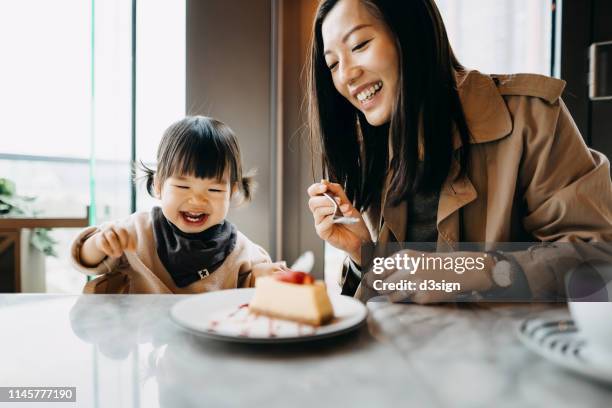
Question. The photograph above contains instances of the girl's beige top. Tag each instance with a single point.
(141, 271)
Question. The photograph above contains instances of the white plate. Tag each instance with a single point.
(223, 315)
(559, 341)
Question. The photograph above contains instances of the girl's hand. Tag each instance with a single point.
(348, 238)
(112, 240)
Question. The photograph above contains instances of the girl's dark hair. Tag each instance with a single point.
(356, 154)
(201, 147)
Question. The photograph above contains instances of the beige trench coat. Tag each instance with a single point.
(532, 177)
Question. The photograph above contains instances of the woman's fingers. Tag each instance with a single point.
(316, 189)
(337, 190)
(318, 202)
(325, 228)
(320, 213)
(349, 211)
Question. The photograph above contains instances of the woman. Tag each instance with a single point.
(421, 149)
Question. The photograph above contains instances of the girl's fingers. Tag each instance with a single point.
(124, 238)
(113, 241)
(132, 243)
(105, 246)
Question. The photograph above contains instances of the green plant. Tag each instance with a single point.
(12, 204)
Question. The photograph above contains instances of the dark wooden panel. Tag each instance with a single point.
(9, 261)
(16, 223)
(602, 20)
(601, 118)
(575, 40)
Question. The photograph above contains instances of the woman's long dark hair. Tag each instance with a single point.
(354, 153)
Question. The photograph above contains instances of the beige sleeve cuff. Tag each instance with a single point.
(107, 265)
(545, 268)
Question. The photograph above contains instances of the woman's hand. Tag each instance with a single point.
(348, 238)
(434, 282)
(112, 240)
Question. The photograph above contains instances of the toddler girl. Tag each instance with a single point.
(186, 245)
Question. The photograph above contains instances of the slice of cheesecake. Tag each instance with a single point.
(293, 296)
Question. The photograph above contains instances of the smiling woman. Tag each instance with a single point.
(419, 148)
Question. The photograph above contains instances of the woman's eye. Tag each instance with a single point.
(332, 66)
(361, 45)
(183, 187)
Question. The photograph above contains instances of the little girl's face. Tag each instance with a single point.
(195, 204)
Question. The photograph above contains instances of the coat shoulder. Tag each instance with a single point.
(540, 86)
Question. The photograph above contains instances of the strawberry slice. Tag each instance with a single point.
(299, 278)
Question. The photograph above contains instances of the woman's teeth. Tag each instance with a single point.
(369, 93)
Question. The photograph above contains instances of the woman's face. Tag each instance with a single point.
(361, 54)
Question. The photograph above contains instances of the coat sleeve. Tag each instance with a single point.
(568, 200)
(108, 265)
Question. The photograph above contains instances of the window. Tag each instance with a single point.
(66, 129)
(500, 36)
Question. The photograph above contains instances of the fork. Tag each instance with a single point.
(338, 217)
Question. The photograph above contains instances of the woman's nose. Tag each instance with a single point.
(349, 72)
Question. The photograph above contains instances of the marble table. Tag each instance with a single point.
(124, 351)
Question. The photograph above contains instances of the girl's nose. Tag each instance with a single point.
(198, 198)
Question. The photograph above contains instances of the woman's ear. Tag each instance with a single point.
(234, 188)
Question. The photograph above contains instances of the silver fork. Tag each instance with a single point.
(338, 217)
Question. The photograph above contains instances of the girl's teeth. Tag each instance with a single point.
(194, 217)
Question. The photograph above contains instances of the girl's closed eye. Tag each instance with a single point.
(216, 190)
(180, 186)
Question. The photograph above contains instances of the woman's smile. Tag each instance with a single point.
(369, 95)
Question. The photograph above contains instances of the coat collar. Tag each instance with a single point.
(484, 108)
(488, 119)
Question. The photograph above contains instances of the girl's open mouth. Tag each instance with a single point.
(194, 218)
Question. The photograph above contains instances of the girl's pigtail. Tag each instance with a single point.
(149, 175)
(247, 185)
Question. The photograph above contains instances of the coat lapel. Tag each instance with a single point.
(488, 119)
(455, 194)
